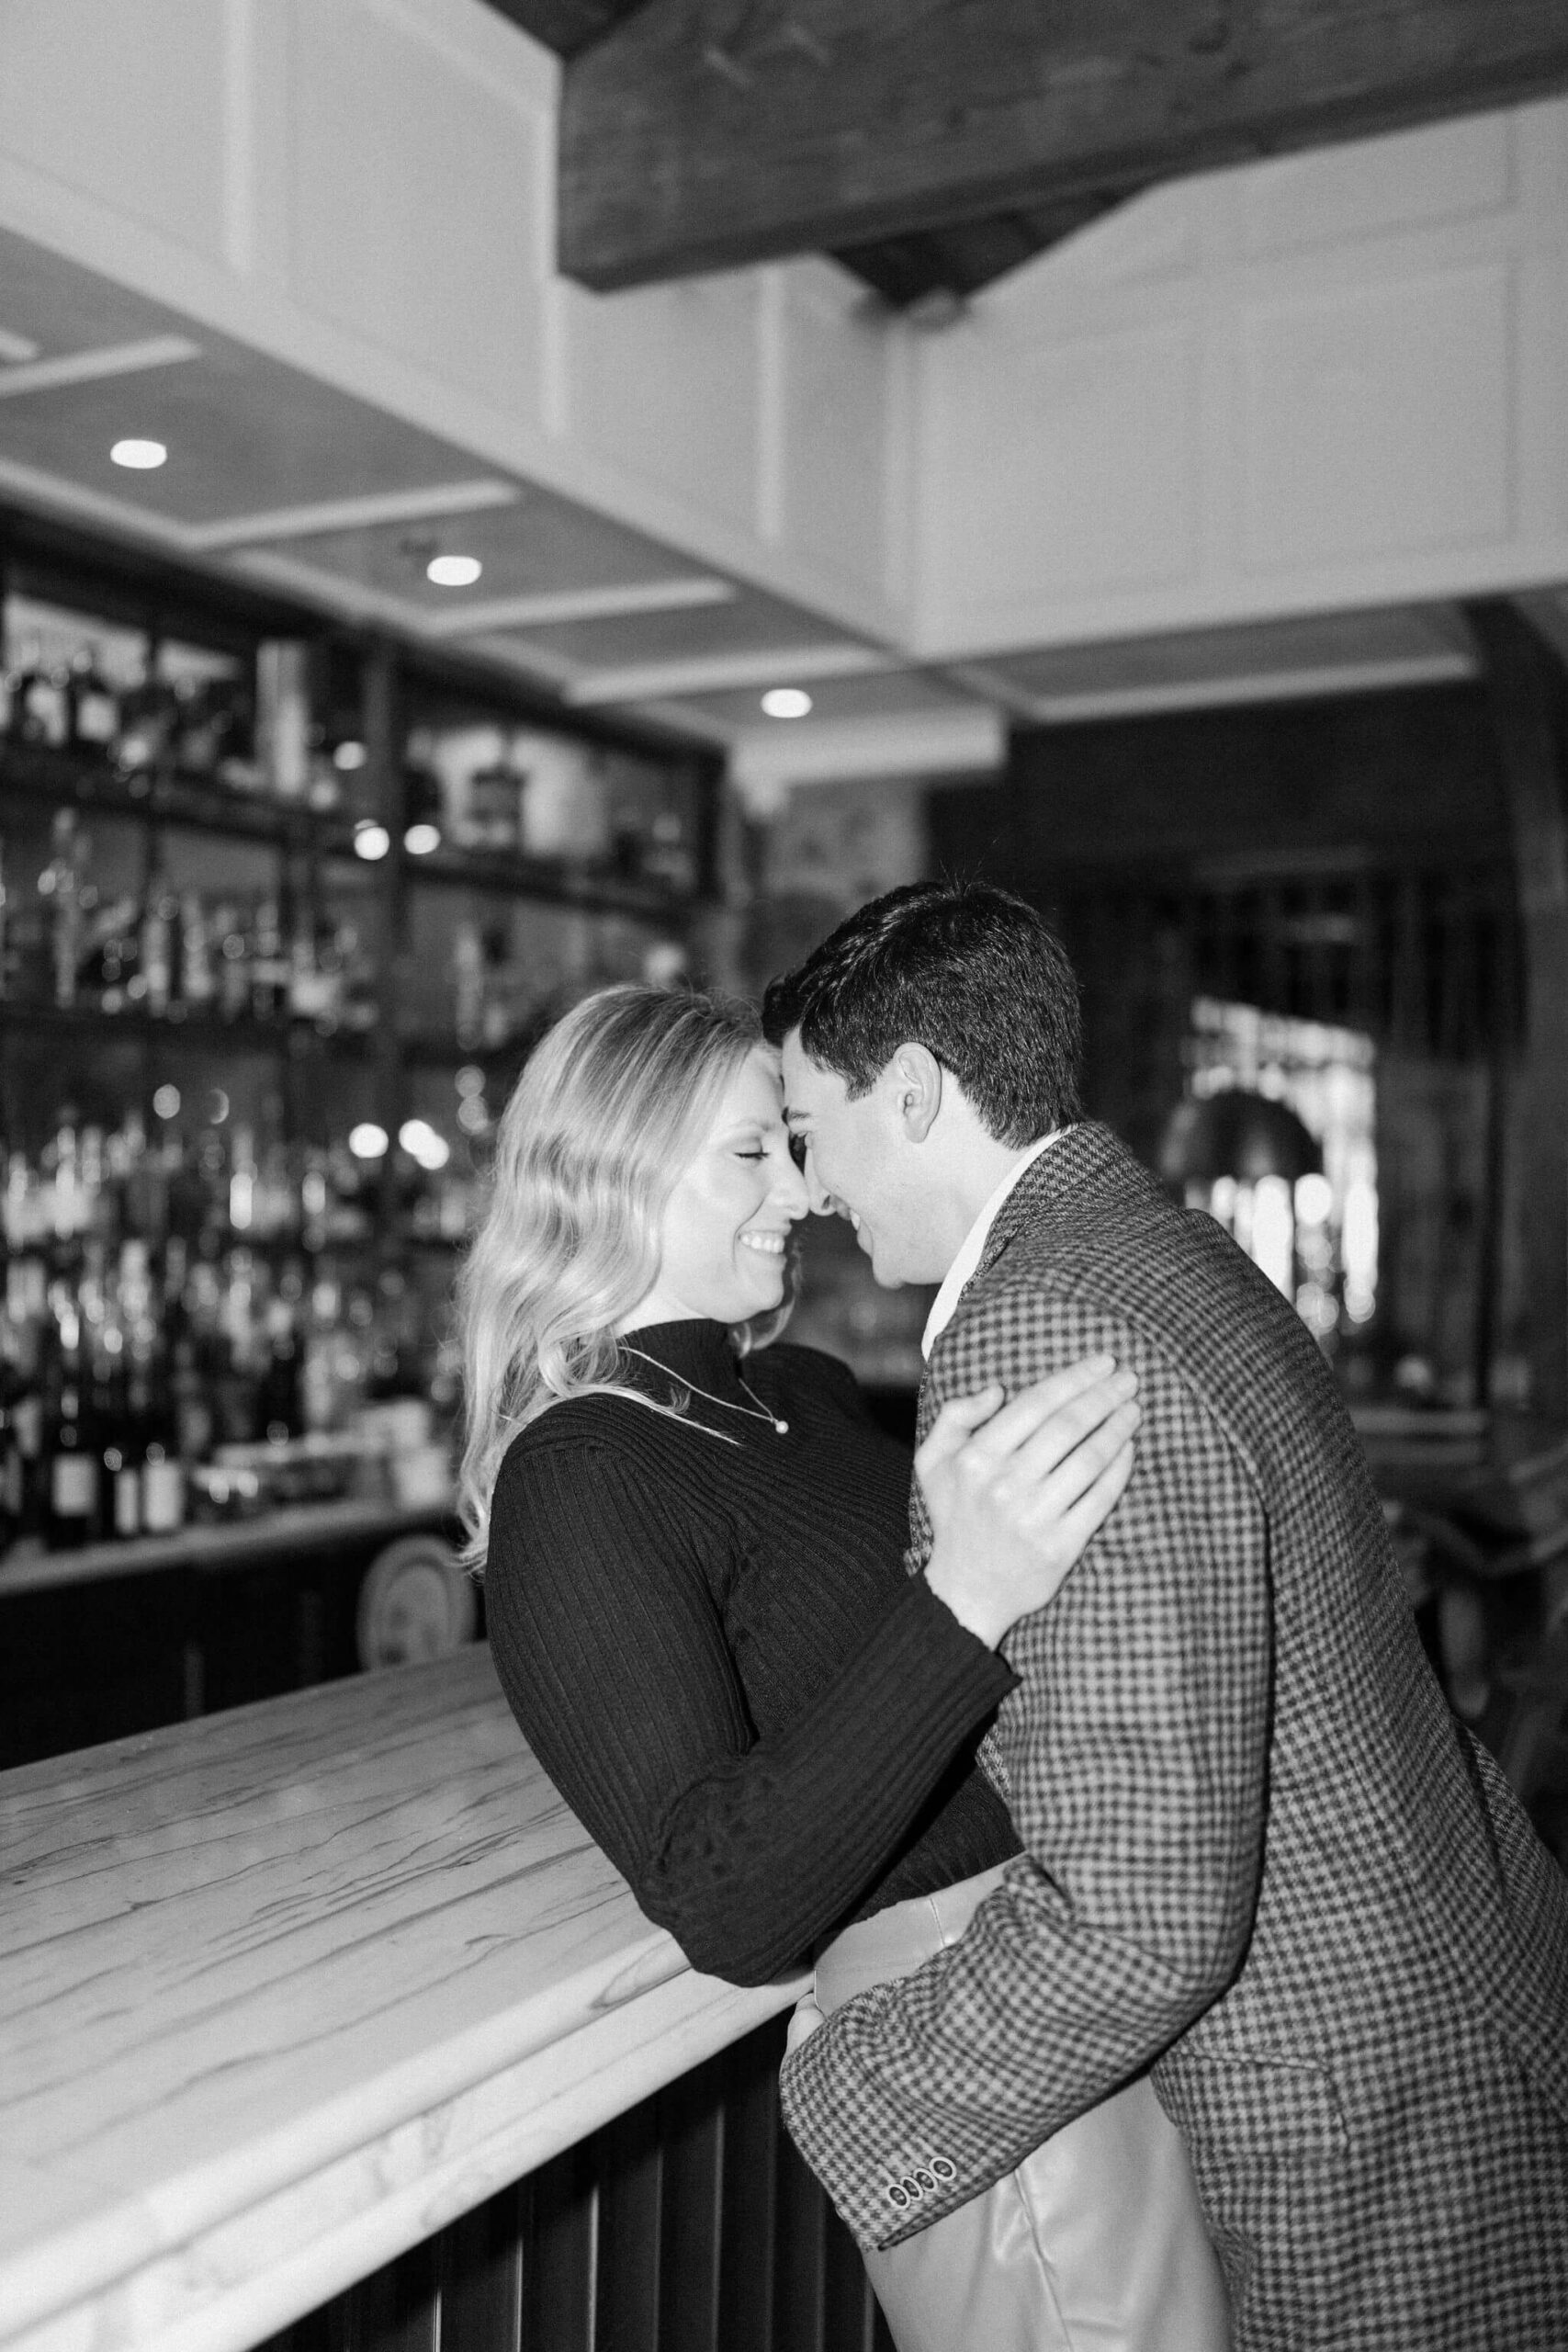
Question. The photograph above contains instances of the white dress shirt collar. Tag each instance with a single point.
(946, 1304)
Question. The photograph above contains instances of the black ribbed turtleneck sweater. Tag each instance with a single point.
(715, 1651)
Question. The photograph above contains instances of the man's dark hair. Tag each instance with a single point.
(969, 972)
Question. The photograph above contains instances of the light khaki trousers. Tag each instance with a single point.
(1096, 2243)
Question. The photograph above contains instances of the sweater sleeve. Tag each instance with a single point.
(613, 1657)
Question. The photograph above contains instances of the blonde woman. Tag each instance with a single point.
(692, 1539)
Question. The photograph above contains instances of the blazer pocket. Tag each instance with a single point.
(1275, 2106)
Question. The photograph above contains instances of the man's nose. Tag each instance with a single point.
(822, 1202)
(791, 1191)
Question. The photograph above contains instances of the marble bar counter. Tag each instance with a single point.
(283, 1991)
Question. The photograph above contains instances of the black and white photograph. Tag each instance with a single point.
(784, 1176)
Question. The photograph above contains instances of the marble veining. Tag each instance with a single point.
(284, 1990)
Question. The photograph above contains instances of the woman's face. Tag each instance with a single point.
(725, 1228)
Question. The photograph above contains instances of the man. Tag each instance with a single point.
(1260, 1858)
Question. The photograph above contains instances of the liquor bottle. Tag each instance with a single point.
(94, 708)
(495, 805)
(147, 713)
(424, 809)
(468, 986)
(309, 988)
(154, 1416)
(161, 968)
(60, 885)
(199, 978)
(360, 1005)
(279, 1403)
(235, 946)
(198, 730)
(71, 1458)
(283, 716)
(41, 705)
(27, 1423)
(270, 965)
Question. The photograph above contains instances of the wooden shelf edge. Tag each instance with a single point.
(210, 1547)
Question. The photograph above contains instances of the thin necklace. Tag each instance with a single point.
(762, 1413)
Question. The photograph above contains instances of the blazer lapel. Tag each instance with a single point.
(1083, 1156)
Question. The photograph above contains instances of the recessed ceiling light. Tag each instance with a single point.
(422, 839)
(786, 702)
(454, 571)
(367, 1141)
(371, 841)
(140, 456)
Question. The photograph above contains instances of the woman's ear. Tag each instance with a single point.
(917, 1089)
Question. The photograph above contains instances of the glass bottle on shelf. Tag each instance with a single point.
(425, 819)
(495, 805)
(40, 705)
(61, 885)
(198, 977)
(120, 1510)
(236, 948)
(94, 706)
(269, 964)
(197, 731)
(161, 948)
(153, 1422)
(71, 1460)
(468, 986)
(283, 716)
(147, 714)
(25, 1312)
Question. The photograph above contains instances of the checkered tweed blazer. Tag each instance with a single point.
(1260, 1857)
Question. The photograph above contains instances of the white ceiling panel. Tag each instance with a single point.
(243, 433)
(538, 544)
(60, 309)
(750, 625)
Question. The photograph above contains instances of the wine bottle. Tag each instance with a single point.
(72, 1472)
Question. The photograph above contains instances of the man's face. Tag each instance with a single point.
(860, 1162)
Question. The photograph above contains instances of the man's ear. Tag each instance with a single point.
(915, 1076)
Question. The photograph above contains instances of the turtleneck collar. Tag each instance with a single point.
(693, 1349)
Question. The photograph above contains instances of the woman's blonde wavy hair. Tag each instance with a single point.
(611, 1107)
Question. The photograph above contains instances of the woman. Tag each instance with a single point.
(695, 1586)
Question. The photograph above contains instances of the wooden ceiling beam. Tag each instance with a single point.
(706, 134)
